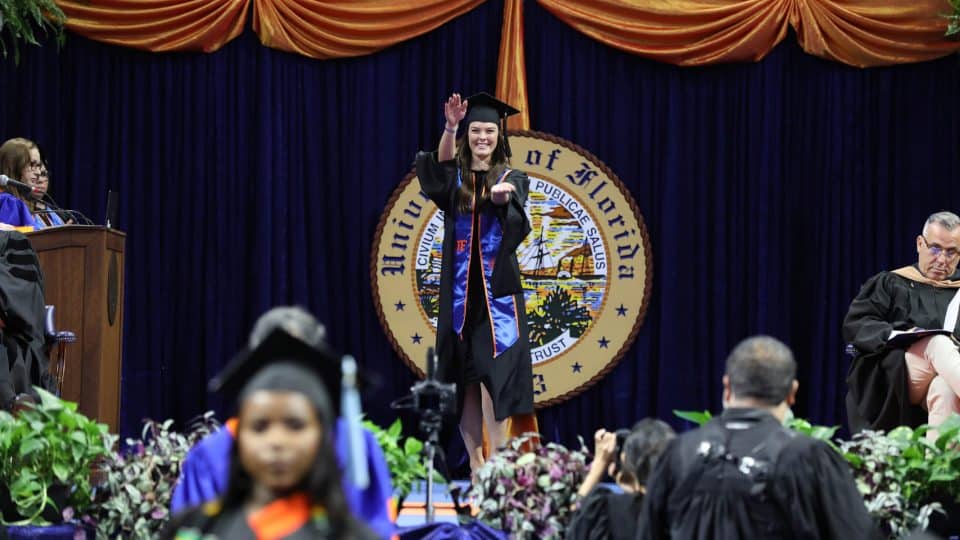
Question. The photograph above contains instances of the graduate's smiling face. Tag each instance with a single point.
(278, 438)
(937, 251)
(482, 138)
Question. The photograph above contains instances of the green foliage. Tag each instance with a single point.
(698, 418)
(903, 475)
(953, 20)
(27, 20)
(403, 457)
(45, 449)
(822, 433)
(135, 495)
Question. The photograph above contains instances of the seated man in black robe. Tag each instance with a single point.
(744, 475)
(902, 375)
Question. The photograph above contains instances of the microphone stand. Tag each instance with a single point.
(73, 214)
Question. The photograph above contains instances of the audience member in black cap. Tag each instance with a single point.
(482, 337)
(204, 474)
(284, 478)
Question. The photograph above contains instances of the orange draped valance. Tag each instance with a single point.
(315, 28)
(158, 25)
(330, 29)
(685, 32)
(694, 32)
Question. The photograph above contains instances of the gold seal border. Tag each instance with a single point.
(643, 240)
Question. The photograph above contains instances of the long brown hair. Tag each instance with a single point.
(14, 157)
(498, 163)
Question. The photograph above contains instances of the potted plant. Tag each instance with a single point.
(905, 477)
(530, 494)
(404, 459)
(46, 455)
(26, 20)
(134, 497)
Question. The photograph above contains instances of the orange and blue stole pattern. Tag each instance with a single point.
(502, 311)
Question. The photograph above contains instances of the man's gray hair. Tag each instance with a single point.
(294, 320)
(947, 220)
(762, 368)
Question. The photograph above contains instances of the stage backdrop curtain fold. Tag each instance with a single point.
(332, 29)
(860, 33)
(512, 68)
(158, 25)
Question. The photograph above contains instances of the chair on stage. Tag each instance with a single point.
(56, 348)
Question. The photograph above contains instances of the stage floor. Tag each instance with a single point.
(414, 514)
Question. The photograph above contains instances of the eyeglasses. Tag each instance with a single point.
(936, 251)
(34, 164)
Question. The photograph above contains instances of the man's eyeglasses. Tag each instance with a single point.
(936, 251)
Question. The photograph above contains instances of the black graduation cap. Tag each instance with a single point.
(280, 348)
(482, 107)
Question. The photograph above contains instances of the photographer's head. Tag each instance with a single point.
(761, 373)
(641, 449)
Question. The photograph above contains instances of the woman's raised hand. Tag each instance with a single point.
(454, 110)
(500, 193)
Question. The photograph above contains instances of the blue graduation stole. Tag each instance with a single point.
(504, 318)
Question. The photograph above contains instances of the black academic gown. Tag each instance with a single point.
(23, 363)
(810, 489)
(878, 384)
(605, 515)
(509, 376)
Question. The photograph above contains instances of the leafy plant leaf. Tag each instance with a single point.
(698, 418)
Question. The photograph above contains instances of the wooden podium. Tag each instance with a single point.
(83, 279)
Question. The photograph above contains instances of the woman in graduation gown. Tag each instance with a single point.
(482, 337)
(284, 480)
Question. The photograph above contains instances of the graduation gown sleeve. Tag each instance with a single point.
(513, 220)
(818, 492)
(866, 325)
(14, 212)
(438, 180)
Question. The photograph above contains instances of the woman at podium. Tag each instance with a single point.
(19, 161)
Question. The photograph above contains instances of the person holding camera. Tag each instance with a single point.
(744, 474)
(627, 456)
(483, 342)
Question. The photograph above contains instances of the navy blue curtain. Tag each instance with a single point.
(251, 177)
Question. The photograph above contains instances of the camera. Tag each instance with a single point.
(432, 396)
(621, 435)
